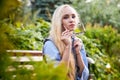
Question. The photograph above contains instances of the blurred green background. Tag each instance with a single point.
(24, 24)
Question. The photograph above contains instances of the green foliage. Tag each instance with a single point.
(20, 35)
(104, 12)
(4, 45)
(38, 71)
(101, 44)
(107, 36)
(30, 36)
(8, 8)
(50, 72)
(44, 27)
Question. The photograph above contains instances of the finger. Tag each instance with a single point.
(66, 33)
(65, 28)
(77, 43)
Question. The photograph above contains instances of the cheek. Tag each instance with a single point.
(64, 22)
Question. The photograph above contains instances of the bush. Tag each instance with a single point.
(22, 38)
(101, 44)
(29, 36)
(107, 36)
(103, 12)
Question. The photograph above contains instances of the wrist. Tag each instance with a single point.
(68, 46)
(77, 53)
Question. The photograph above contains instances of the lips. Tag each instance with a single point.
(72, 25)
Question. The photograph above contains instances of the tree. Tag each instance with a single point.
(103, 12)
(46, 7)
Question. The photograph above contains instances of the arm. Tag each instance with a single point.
(66, 55)
(66, 39)
(80, 63)
(81, 59)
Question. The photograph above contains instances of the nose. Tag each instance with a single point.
(71, 19)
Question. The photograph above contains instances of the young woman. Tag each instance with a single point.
(63, 46)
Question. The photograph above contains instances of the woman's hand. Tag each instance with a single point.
(77, 45)
(66, 37)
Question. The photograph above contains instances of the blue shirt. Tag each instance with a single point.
(52, 52)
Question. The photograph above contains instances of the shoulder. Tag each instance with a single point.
(48, 42)
(51, 50)
(49, 46)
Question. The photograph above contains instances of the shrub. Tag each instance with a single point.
(101, 44)
(103, 12)
(29, 36)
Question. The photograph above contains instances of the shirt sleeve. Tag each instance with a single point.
(83, 54)
(85, 73)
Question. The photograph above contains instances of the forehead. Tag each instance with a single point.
(68, 10)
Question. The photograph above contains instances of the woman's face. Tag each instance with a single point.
(69, 19)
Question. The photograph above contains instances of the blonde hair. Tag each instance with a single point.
(55, 35)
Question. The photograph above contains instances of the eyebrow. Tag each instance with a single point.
(68, 14)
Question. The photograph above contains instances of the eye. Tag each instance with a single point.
(73, 16)
(66, 17)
